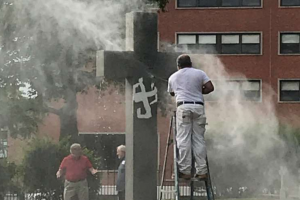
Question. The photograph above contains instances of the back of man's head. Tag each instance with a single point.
(183, 61)
(122, 148)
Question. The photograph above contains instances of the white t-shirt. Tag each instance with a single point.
(187, 84)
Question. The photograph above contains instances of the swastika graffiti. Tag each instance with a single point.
(143, 96)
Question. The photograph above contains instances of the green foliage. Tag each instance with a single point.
(41, 163)
(39, 168)
(162, 3)
(4, 179)
(20, 113)
(8, 178)
(93, 181)
(38, 51)
(20, 116)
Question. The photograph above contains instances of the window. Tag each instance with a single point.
(290, 43)
(187, 3)
(230, 3)
(239, 43)
(208, 42)
(251, 3)
(289, 90)
(230, 44)
(206, 3)
(251, 90)
(187, 39)
(245, 90)
(218, 3)
(290, 2)
(250, 44)
(3, 145)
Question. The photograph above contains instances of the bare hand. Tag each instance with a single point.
(58, 174)
(94, 171)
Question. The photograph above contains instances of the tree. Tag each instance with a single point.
(4, 179)
(8, 178)
(46, 46)
(19, 112)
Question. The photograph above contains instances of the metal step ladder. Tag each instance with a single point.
(177, 180)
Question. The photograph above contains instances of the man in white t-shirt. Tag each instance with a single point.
(188, 86)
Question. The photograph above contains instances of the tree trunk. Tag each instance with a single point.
(68, 118)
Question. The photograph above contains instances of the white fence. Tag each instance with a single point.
(168, 191)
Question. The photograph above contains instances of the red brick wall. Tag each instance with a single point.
(101, 113)
(270, 20)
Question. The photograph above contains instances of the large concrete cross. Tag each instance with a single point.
(137, 64)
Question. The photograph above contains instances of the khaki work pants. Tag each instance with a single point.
(79, 188)
(190, 122)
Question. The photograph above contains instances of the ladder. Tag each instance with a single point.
(177, 180)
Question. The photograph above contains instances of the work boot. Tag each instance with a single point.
(201, 176)
(184, 176)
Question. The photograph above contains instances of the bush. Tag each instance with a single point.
(9, 181)
(40, 165)
(4, 179)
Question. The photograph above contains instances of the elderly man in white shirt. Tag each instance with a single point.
(188, 86)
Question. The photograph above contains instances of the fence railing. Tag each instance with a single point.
(108, 189)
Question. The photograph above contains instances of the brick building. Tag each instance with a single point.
(258, 38)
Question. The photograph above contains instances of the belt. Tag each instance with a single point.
(75, 181)
(179, 103)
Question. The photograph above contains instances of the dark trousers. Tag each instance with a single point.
(121, 195)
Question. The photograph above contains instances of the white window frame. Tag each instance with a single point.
(215, 37)
(218, 33)
(250, 42)
(279, 91)
(280, 6)
(188, 35)
(222, 7)
(230, 37)
(279, 43)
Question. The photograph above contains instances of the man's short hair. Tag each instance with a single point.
(122, 148)
(183, 61)
(75, 145)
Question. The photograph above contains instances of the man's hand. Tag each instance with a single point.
(93, 171)
(59, 173)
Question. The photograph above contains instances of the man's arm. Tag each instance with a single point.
(61, 169)
(90, 167)
(170, 89)
(208, 88)
(59, 173)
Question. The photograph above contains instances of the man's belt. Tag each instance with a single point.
(74, 181)
(179, 103)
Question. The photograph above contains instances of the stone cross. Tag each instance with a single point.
(138, 65)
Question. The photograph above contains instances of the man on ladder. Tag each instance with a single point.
(188, 86)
